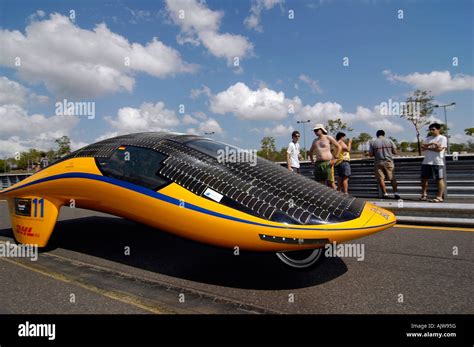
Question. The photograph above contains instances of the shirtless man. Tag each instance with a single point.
(324, 159)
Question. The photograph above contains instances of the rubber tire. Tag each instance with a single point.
(313, 259)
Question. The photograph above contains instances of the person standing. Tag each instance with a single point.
(324, 164)
(382, 150)
(343, 165)
(433, 164)
(293, 153)
(44, 162)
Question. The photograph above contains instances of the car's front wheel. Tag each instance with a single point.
(301, 259)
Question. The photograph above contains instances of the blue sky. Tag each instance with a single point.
(283, 62)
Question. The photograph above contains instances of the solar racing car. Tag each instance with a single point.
(179, 184)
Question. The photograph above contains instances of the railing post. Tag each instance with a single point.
(445, 195)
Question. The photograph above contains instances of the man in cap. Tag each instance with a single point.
(321, 146)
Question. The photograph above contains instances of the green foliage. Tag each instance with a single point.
(415, 147)
(361, 139)
(458, 147)
(469, 131)
(268, 148)
(335, 126)
(404, 146)
(27, 159)
(64, 144)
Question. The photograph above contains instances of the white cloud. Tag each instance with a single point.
(460, 138)
(38, 14)
(76, 62)
(320, 112)
(208, 126)
(21, 131)
(75, 145)
(200, 25)
(139, 16)
(107, 135)
(253, 20)
(279, 130)
(312, 84)
(12, 92)
(259, 104)
(438, 82)
(149, 117)
(187, 119)
(377, 120)
(195, 93)
(268, 104)
(199, 114)
(16, 121)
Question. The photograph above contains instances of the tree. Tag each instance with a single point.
(282, 154)
(335, 126)
(458, 147)
(417, 111)
(267, 148)
(26, 159)
(64, 144)
(469, 131)
(361, 139)
(404, 146)
(415, 146)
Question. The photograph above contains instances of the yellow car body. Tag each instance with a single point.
(34, 204)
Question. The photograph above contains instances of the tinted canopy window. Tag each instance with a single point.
(135, 165)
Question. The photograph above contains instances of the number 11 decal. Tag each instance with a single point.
(41, 203)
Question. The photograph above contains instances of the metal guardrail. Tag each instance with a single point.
(459, 174)
(362, 183)
(7, 180)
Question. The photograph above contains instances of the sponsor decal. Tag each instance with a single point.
(212, 194)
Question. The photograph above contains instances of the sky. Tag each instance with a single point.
(240, 70)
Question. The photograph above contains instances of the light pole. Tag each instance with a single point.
(446, 122)
(304, 136)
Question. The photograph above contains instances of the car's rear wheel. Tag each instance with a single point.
(301, 259)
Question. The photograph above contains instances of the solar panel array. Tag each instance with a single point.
(262, 189)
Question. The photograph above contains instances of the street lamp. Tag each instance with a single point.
(446, 121)
(304, 136)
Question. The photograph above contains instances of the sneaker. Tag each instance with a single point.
(385, 196)
(398, 197)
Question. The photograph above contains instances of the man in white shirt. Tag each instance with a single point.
(433, 163)
(293, 153)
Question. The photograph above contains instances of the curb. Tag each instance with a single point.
(445, 214)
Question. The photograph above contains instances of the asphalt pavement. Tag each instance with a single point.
(111, 265)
